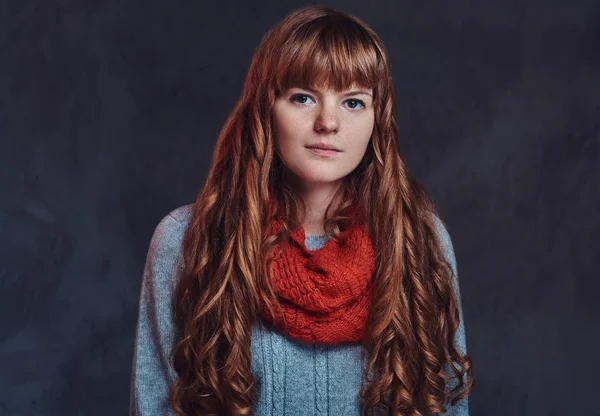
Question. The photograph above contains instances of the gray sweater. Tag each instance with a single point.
(294, 378)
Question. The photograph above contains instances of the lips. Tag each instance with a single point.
(323, 146)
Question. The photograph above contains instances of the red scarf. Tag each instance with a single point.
(325, 294)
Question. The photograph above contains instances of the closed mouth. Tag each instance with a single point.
(322, 148)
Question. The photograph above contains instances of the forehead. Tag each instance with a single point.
(330, 88)
(328, 54)
(324, 70)
(322, 82)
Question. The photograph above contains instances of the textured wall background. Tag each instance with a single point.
(109, 112)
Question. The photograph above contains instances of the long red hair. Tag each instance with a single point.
(414, 317)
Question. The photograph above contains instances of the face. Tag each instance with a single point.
(304, 117)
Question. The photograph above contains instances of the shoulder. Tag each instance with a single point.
(445, 242)
(443, 234)
(169, 233)
(182, 214)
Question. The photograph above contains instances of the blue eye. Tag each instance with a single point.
(300, 96)
(356, 101)
(303, 98)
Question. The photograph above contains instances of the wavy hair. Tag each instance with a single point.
(227, 251)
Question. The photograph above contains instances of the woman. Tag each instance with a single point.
(303, 280)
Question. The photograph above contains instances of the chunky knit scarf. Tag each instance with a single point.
(325, 294)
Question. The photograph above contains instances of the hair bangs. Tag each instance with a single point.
(334, 55)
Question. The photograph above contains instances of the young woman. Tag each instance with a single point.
(305, 281)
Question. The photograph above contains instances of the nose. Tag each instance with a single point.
(327, 118)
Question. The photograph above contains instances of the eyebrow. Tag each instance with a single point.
(345, 95)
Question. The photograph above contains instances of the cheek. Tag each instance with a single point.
(358, 151)
(290, 123)
(286, 137)
(290, 130)
(363, 131)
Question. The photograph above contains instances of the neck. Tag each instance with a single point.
(317, 198)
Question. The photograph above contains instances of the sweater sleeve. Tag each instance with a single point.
(152, 373)
(462, 407)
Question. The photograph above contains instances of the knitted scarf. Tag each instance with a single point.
(325, 294)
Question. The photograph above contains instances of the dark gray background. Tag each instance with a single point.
(109, 112)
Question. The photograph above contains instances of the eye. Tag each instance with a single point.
(300, 97)
(354, 100)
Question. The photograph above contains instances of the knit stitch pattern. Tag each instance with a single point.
(326, 292)
(292, 377)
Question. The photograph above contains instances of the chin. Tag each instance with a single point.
(321, 179)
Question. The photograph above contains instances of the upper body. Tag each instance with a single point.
(292, 377)
(314, 134)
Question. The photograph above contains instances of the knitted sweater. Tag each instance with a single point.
(293, 377)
